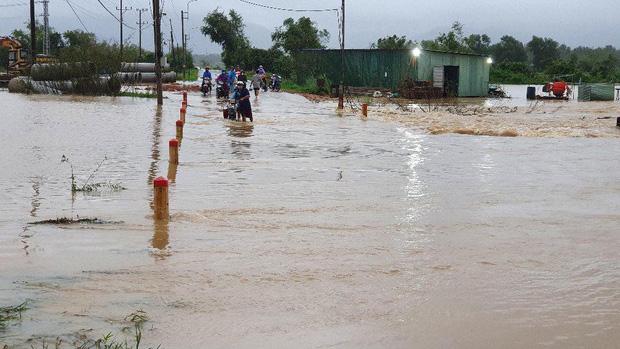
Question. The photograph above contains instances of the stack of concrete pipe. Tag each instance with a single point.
(95, 85)
(144, 73)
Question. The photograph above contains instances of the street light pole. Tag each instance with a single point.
(183, 36)
(341, 94)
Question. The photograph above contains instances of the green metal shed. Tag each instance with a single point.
(466, 75)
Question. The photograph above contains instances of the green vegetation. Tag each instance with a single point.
(137, 94)
(309, 86)
(293, 36)
(175, 58)
(538, 61)
(79, 46)
(393, 43)
(88, 187)
(109, 341)
(11, 313)
(191, 74)
(65, 220)
(228, 31)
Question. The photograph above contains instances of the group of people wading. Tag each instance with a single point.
(234, 85)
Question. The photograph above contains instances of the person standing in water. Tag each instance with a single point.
(256, 83)
(243, 96)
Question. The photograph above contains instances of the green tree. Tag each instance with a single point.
(452, 41)
(544, 51)
(175, 59)
(393, 43)
(293, 36)
(79, 38)
(228, 31)
(273, 60)
(477, 43)
(509, 49)
(23, 36)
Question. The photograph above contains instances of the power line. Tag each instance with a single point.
(112, 14)
(290, 9)
(78, 17)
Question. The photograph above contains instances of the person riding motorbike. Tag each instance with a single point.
(222, 84)
(206, 81)
(242, 77)
(261, 70)
(276, 82)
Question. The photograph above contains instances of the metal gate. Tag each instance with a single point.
(438, 75)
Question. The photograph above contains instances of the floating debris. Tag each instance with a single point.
(65, 220)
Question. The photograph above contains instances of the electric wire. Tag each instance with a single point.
(76, 15)
(112, 14)
(290, 9)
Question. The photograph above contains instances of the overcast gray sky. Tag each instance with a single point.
(573, 22)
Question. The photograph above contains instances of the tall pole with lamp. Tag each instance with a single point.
(184, 16)
(341, 89)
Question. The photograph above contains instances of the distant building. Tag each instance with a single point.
(457, 74)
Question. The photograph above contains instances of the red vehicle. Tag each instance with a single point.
(557, 89)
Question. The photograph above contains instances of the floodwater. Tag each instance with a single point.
(509, 117)
(308, 228)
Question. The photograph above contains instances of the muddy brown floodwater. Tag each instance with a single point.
(311, 228)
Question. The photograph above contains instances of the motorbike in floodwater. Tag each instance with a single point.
(206, 86)
(263, 83)
(231, 110)
(221, 91)
(276, 83)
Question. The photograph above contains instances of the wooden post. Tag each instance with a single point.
(185, 96)
(161, 198)
(161, 236)
(183, 115)
(179, 129)
(172, 172)
(365, 109)
(174, 150)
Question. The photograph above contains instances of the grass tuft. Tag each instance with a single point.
(11, 313)
(309, 86)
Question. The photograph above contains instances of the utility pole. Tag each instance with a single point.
(122, 10)
(33, 33)
(140, 23)
(172, 44)
(158, 53)
(46, 25)
(341, 95)
(183, 18)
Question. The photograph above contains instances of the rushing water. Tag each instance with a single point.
(308, 228)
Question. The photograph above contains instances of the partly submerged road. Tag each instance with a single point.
(305, 229)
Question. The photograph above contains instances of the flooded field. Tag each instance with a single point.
(310, 228)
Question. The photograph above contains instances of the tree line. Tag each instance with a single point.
(228, 30)
(537, 61)
(81, 46)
